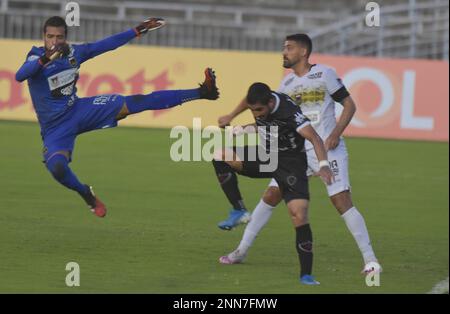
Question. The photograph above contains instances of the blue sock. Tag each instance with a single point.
(160, 99)
(59, 168)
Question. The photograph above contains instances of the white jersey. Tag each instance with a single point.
(313, 93)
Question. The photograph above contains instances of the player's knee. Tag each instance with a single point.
(58, 170)
(224, 154)
(299, 219)
(226, 159)
(58, 167)
(299, 214)
(235, 165)
(218, 155)
(124, 112)
(342, 201)
(272, 196)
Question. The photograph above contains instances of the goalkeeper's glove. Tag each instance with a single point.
(149, 25)
(57, 51)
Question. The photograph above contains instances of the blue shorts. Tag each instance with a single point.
(86, 114)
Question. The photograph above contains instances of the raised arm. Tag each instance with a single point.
(225, 120)
(94, 49)
(91, 50)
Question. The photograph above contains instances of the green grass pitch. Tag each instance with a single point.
(160, 234)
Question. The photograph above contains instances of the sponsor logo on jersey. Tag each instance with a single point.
(310, 96)
(63, 83)
(66, 91)
(73, 61)
(315, 75)
(62, 78)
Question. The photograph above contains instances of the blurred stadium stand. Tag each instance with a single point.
(409, 28)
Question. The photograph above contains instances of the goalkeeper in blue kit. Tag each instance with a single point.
(52, 74)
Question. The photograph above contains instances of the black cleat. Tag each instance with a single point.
(208, 89)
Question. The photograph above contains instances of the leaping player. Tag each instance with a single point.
(52, 74)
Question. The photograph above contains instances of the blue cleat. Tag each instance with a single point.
(309, 280)
(236, 217)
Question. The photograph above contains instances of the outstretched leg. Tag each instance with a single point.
(170, 98)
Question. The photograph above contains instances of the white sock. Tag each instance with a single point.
(259, 219)
(355, 223)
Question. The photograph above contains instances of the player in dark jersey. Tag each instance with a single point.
(52, 74)
(283, 129)
(315, 88)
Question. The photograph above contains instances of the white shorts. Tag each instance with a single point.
(338, 159)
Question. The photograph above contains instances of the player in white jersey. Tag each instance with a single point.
(315, 88)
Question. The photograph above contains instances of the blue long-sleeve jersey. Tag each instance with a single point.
(53, 87)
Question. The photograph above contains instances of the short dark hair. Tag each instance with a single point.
(259, 93)
(55, 21)
(302, 39)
